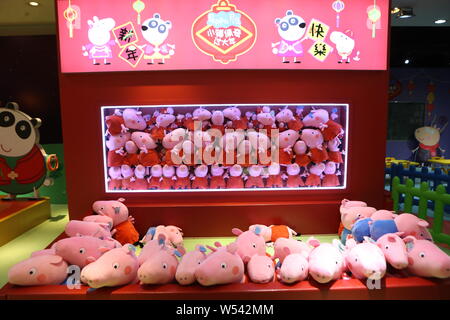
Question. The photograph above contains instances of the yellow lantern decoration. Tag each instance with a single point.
(138, 6)
(70, 14)
(374, 15)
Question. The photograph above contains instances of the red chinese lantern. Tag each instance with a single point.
(224, 32)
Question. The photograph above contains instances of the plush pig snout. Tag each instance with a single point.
(185, 278)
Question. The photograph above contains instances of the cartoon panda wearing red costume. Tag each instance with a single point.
(23, 162)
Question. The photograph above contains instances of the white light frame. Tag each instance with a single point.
(346, 130)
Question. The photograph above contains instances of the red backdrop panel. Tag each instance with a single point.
(365, 91)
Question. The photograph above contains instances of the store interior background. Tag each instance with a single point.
(29, 65)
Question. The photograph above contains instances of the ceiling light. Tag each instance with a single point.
(440, 21)
(33, 3)
(395, 10)
(405, 13)
(407, 61)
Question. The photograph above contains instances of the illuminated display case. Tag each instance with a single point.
(239, 147)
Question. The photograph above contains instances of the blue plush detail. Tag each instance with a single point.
(257, 230)
(334, 110)
(361, 229)
(151, 231)
(344, 235)
(382, 227)
(132, 248)
(202, 249)
(278, 265)
(161, 241)
(178, 253)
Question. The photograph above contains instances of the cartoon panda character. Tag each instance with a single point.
(23, 162)
(155, 31)
(292, 29)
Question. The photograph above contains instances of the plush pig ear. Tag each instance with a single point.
(423, 223)
(409, 242)
(129, 248)
(56, 259)
(217, 244)
(350, 243)
(257, 231)
(400, 233)
(161, 239)
(181, 250)
(246, 259)
(200, 248)
(313, 242)
(286, 251)
(121, 199)
(151, 232)
(391, 238)
(232, 248)
(236, 231)
(104, 225)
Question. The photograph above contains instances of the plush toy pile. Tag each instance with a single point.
(163, 259)
(207, 149)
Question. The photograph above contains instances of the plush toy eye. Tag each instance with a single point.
(386, 247)
(82, 250)
(199, 262)
(223, 265)
(23, 129)
(422, 255)
(302, 268)
(32, 271)
(336, 263)
(164, 266)
(356, 259)
(116, 265)
(6, 119)
(254, 245)
(421, 234)
(269, 266)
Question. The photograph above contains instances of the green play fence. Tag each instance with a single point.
(424, 194)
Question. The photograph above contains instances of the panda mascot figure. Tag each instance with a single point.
(23, 162)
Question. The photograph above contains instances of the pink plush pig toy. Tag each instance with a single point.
(172, 143)
(217, 120)
(235, 178)
(154, 182)
(173, 235)
(334, 153)
(274, 179)
(116, 153)
(394, 250)
(217, 177)
(200, 178)
(45, 269)
(315, 174)
(221, 267)
(314, 140)
(301, 158)
(115, 123)
(294, 268)
(261, 269)
(82, 250)
(249, 243)
(254, 180)
(115, 178)
(115, 267)
(100, 219)
(293, 179)
(203, 115)
(326, 261)
(320, 118)
(123, 231)
(286, 118)
(127, 174)
(412, 225)
(293, 246)
(365, 260)
(168, 178)
(185, 274)
(183, 180)
(426, 259)
(266, 120)
(349, 215)
(161, 266)
(139, 182)
(235, 119)
(131, 156)
(287, 140)
(147, 155)
(383, 215)
(331, 173)
(134, 120)
(85, 228)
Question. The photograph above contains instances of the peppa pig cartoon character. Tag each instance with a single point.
(154, 182)
(155, 31)
(326, 260)
(274, 179)
(287, 140)
(183, 181)
(221, 267)
(301, 157)
(293, 179)
(365, 260)
(148, 155)
(249, 243)
(168, 178)
(200, 178)
(115, 267)
(23, 162)
(261, 269)
(185, 274)
(99, 35)
(331, 173)
(133, 119)
(345, 44)
(235, 179)
(127, 174)
(217, 178)
(315, 174)
(292, 29)
(394, 250)
(426, 259)
(294, 268)
(294, 246)
(38, 270)
(236, 121)
(314, 140)
(254, 180)
(115, 123)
